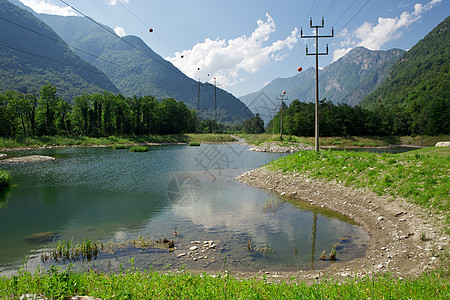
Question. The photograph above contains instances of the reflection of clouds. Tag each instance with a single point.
(239, 210)
(235, 209)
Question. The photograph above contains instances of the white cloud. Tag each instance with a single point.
(42, 7)
(387, 29)
(119, 31)
(340, 52)
(114, 2)
(226, 60)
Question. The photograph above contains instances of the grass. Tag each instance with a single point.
(64, 251)
(45, 141)
(352, 141)
(5, 179)
(138, 149)
(194, 144)
(148, 284)
(420, 175)
(120, 146)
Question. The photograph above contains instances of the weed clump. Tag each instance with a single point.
(5, 179)
(138, 149)
(120, 146)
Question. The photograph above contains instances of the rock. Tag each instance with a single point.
(380, 218)
(442, 144)
(193, 248)
(30, 297)
(2, 155)
(181, 254)
(42, 237)
(27, 159)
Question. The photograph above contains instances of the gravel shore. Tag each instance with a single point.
(404, 239)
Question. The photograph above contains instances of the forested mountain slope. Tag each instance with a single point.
(33, 55)
(417, 88)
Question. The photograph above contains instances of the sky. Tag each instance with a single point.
(245, 44)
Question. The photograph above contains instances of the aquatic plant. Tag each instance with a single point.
(333, 252)
(120, 146)
(64, 251)
(5, 179)
(138, 149)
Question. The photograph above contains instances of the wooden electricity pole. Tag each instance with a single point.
(317, 36)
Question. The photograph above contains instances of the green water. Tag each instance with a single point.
(116, 196)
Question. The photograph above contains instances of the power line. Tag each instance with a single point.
(146, 26)
(122, 39)
(83, 51)
(355, 14)
(54, 60)
(329, 8)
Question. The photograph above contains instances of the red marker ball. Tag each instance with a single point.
(299, 69)
(151, 30)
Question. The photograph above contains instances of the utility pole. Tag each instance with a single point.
(317, 36)
(281, 97)
(273, 120)
(199, 84)
(215, 105)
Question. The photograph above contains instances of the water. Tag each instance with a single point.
(117, 196)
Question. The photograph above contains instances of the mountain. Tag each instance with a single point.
(137, 70)
(347, 80)
(418, 85)
(32, 55)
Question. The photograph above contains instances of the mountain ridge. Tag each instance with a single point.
(143, 72)
(33, 55)
(346, 80)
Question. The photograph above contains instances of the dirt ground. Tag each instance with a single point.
(404, 239)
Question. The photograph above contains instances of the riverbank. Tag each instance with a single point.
(27, 143)
(347, 142)
(406, 239)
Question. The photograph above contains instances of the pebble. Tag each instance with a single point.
(380, 218)
(193, 248)
(182, 254)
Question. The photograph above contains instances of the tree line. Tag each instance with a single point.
(97, 114)
(345, 120)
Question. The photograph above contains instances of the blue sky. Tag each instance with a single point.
(246, 44)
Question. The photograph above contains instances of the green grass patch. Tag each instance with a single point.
(138, 149)
(5, 180)
(120, 146)
(194, 144)
(420, 176)
(351, 141)
(148, 284)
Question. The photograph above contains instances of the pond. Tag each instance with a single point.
(115, 196)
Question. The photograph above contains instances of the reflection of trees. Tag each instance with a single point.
(313, 247)
(3, 201)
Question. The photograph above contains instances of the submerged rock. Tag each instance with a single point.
(41, 237)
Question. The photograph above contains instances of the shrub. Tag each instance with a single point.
(138, 149)
(5, 178)
(120, 146)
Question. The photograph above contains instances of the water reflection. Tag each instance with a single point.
(115, 195)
